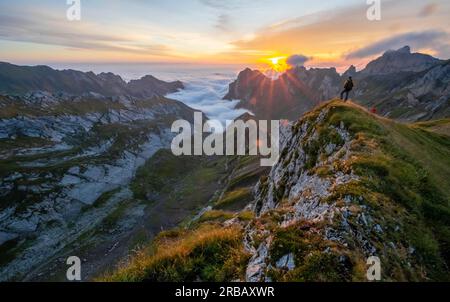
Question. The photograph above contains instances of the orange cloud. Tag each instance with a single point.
(328, 37)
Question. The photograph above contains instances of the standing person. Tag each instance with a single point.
(348, 86)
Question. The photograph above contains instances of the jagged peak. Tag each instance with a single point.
(351, 71)
(404, 50)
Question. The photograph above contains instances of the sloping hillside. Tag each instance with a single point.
(348, 185)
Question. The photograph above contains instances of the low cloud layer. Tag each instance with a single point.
(438, 40)
(205, 93)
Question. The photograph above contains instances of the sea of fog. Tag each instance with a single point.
(205, 85)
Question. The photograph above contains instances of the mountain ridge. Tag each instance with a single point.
(399, 84)
(19, 80)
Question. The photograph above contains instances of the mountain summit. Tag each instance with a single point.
(401, 60)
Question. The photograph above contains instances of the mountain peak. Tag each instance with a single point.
(350, 72)
(401, 60)
(404, 50)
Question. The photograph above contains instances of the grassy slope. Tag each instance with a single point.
(201, 249)
(209, 253)
(438, 126)
(405, 181)
(404, 172)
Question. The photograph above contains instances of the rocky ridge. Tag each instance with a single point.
(320, 215)
(20, 80)
(401, 85)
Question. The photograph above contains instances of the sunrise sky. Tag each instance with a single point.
(327, 33)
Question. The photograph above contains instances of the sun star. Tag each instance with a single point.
(278, 64)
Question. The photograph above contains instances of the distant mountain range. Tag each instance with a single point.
(19, 80)
(399, 84)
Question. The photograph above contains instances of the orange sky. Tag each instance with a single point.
(227, 32)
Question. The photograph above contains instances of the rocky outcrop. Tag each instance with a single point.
(301, 194)
(320, 215)
(292, 94)
(19, 80)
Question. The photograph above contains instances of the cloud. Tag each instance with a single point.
(433, 39)
(344, 36)
(297, 60)
(205, 94)
(428, 10)
(49, 30)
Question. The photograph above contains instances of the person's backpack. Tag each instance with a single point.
(348, 85)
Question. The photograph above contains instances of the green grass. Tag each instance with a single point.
(405, 178)
(23, 142)
(438, 126)
(238, 198)
(210, 253)
(216, 216)
(187, 179)
(222, 216)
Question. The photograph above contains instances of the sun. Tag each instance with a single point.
(278, 64)
(274, 61)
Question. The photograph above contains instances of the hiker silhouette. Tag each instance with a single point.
(348, 86)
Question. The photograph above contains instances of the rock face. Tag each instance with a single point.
(408, 96)
(401, 60)
(321, 213)
(350, 72)
(291, 186)
(19, 80)
(292, 94)
(66, 163)
(400, 84)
